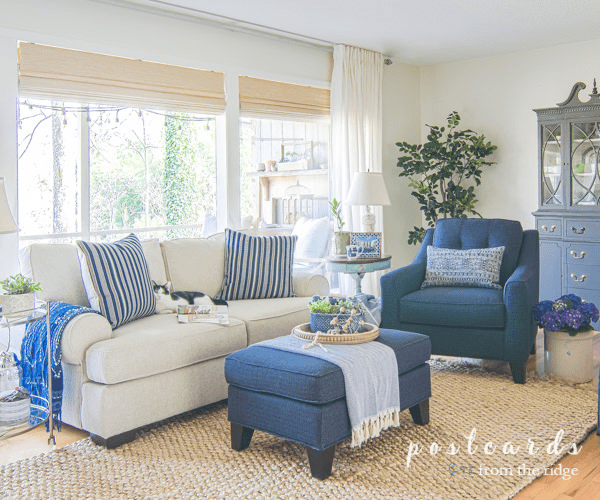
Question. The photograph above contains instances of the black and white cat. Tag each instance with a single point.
(167, 301)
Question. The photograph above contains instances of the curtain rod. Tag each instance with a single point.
(230, 22)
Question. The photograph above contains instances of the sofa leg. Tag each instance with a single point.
(240, 436)
(518, 371)
(321, 462)
(420, 413)
(114, 441)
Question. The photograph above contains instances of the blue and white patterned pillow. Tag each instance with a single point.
(477, 267)
(257, 267)
(117, 279)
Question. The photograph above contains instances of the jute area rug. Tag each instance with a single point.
(189, 456)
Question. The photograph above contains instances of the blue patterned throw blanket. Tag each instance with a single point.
(34, 354)
(370, 377)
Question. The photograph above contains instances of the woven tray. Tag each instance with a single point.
(303, 332)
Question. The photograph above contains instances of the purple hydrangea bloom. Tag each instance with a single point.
(573, 318)
(574, 299)
(589, 312)
(541, 308)
(552, 321)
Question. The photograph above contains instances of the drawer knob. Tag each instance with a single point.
(581, 230)
(575, 256)
(551, 230)
(580, 280)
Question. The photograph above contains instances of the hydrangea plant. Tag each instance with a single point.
(569, 313)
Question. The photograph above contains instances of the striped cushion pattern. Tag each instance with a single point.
(117, 279)
(477, 267)
(257, 267)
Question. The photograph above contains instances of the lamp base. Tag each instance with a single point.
(368, 221)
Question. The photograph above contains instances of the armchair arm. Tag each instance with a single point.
(521, 292)
(399, 282)
(80, 334)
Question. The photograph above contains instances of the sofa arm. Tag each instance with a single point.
(82, 332)
(309, 284)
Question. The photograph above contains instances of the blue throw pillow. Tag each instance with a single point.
(117, 279)
(257, 267)
(477, 267)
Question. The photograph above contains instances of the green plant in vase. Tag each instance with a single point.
(439, 169)
(341, 239)
(19, 295)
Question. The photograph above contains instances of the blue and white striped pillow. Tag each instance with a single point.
(257, 267)
(117, 279)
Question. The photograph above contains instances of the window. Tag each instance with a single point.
(284, 170)
(100, 172)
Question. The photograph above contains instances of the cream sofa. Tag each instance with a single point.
(154, 367)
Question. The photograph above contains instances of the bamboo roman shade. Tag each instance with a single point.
(285, 100)
(72, 75)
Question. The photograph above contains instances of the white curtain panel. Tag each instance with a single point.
(356, 144)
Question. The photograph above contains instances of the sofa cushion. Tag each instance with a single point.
(57, 268)
(117, 280)
(477, 267)
(313, 237)
(154, 258)
(157, 344)
(257, 267)
(459, 306)
(195, 264)
(269, 318)
(482, 233)
(310, 379)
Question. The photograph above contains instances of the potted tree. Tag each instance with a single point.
(569, 336)
(19, 296)
(341, 239)
(439, 169)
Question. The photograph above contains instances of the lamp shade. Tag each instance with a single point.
(368, 188)
(7, 223)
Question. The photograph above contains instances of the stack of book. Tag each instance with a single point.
(14, 408)
(203, 314)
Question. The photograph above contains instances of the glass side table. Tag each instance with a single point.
(41, 408)
(358, 267)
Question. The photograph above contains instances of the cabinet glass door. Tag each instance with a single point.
(585, 183)
(551, 165)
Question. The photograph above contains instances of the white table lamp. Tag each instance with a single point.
(7, 223)
(368, 189)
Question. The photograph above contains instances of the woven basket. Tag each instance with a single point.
(303, 332)
(320, 322)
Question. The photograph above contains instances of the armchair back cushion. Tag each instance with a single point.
(464, 234)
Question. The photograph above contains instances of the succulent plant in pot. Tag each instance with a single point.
(334, 315)
(19, 296)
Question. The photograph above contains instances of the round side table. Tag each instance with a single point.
(358, 267)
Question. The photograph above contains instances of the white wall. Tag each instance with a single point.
(401, 111)
(495, 96)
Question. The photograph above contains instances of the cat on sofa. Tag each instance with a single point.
(167, 300)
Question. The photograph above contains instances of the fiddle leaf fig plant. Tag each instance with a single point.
(442, 172)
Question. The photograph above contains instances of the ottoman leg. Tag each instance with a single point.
(320, 462)
(420, 413)
(240, 436)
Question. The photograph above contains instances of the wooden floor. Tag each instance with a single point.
(583, 486)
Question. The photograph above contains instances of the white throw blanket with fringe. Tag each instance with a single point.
(371, 379)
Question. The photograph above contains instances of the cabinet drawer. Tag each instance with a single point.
(549, 227)
(582, 229)
(583, 253)
(583, 276)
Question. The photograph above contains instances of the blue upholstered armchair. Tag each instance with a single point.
(471, 322)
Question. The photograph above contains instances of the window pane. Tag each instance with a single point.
(284, 170)
(151, 169)
(49, 139)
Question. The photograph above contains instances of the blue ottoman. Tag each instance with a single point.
(302, 398)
